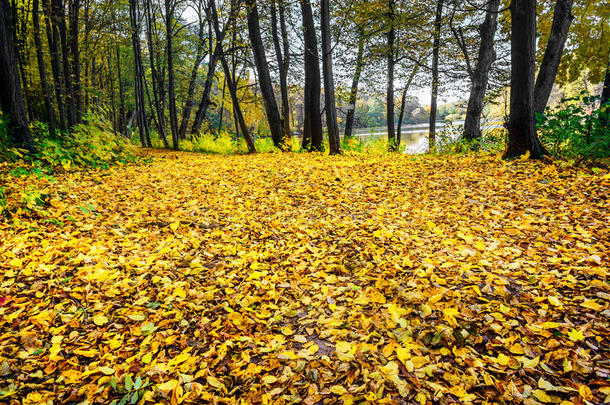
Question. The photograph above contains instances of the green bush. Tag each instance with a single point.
(92, 145)
(577, 129)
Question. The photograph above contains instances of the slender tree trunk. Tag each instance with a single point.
(230, 84)
(353, 95)
(334, 139)
(403, 103)
(390, 79)
(282, 61)
(11, 97)
(312, 126)
(139, 73)
(171, 75)
(157, 81)
(20, 37)
(606, 92)
(480, 76)
(264, 78)
(209, 80)
(522, 136)
(122, 115)
(53, 40)
(60, 18)
(188, 105)
(435, 84)
(42, 72)
(562, 19)
(74, 46)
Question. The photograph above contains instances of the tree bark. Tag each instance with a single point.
(562, 19)
(11, 96)
(209, 81)
(353, 95)
(157, 81)
(74, 47)
(390, 79)
(330, 106)
(522, 136)
(264, 78)
(402, 104)
(312, 126)
(122, 115)
(188, 105)
(229, 80)
(60, 21)
(283, 64)
(53, 40)
(480, 76)
(138, 79)
(171, 75)
(435, 84)
(42, 72)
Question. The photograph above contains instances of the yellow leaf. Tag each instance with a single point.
(502, 359)
(576, 335)
(542, 396)
(106, 370)
(585, 393)
(516, 349)
(179, 292)
(215, 382)
(269, 379)
(554, 301)
(168, 386)
(545, 385)
(338, 390)
(591, 304)
(100, 320)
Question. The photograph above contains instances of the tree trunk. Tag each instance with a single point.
(42, 72)
(606, 93)
(122, 115)
(209, 80)
(435, 84)
(480, 76)
(522, 136)
(264, 78)
(312, 126)
(60, 21)
(353, 95)
(229, 80)
(329, 82)
(390, 79)
(562, 19)
(171, 75)
(53, 40)
(402, 104)
(11, 95)
(188, 105)
(139, 73)
(283, 64)
(157, 81)
(74, 46)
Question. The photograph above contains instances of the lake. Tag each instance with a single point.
(415, 136)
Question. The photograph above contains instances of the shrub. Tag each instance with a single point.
(577, 129)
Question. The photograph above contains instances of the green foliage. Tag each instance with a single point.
(90, 145)
(131, 390)
(577, 129)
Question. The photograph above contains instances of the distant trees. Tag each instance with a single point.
(170, 70)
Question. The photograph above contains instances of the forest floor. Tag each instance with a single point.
(309, 279)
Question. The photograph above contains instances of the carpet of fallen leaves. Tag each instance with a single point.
(310, 279)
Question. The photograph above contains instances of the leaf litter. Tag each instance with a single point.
(307, 279)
